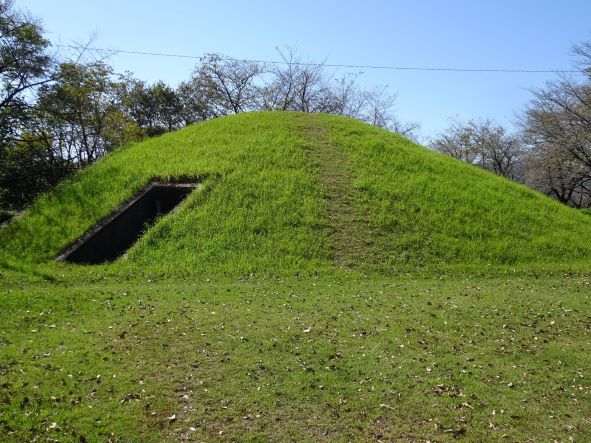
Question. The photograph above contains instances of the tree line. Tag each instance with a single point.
(550, 151)
(60, 113)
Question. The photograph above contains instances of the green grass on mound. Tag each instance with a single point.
(425, 209)
(260, 207)
(288, 192)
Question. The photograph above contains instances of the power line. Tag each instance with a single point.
(338, 65)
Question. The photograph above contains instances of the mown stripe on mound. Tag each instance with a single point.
(350, 236)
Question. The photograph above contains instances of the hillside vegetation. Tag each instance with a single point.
(305, 193)
(177, 341)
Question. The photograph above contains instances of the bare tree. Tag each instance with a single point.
(457, 141)
(499, 151)
(377, 108)
(296, 84)
(226, 84)
(560, 115)
(552, 170)
(482, 143)
(557, 128)
(347, 98)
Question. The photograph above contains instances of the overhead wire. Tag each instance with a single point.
(334, 65)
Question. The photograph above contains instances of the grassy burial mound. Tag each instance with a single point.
(289, 192)
(113, 352)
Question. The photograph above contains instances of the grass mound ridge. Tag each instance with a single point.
(288, 192)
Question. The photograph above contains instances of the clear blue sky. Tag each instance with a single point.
(527, 34)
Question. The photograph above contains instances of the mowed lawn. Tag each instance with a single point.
(328, 359)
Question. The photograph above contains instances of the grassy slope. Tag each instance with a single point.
(425, 209)
(260, 208)
(295, 192)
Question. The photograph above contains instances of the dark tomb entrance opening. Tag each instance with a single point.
(115, 234)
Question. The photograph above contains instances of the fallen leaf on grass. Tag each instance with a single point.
(439, 389)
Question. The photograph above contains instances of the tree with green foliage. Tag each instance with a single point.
(156, 108)
(194, 104)
(25, 65)
(76, 119)
(83, 112)
(31, 168)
